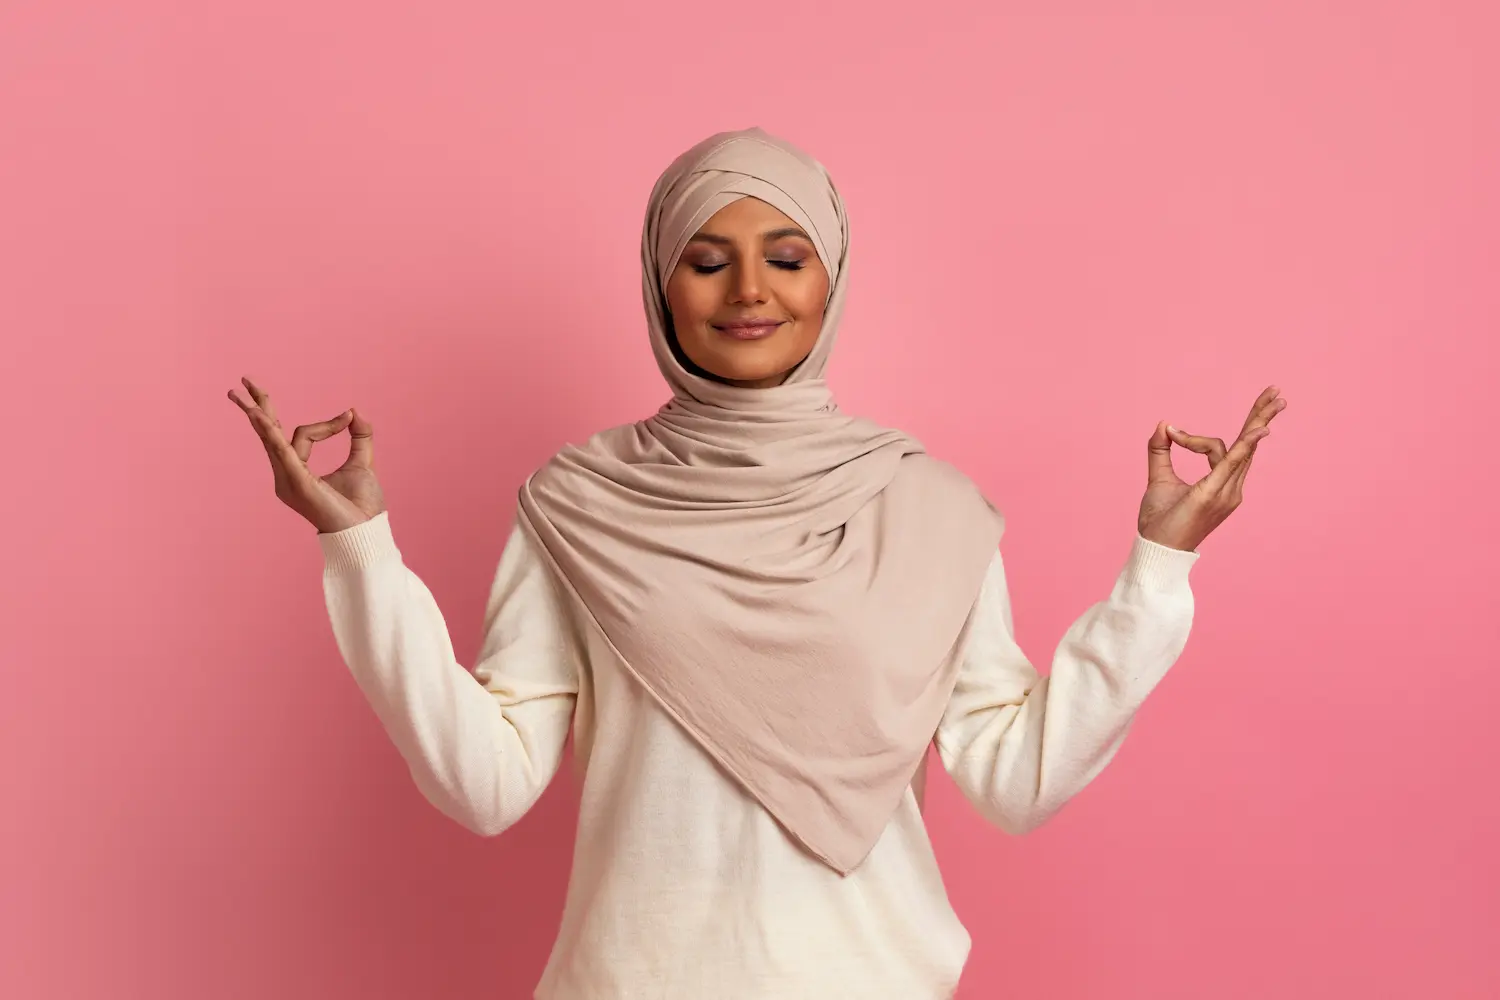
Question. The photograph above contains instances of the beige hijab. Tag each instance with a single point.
(791, 584)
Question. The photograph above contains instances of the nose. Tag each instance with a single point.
(745, 288)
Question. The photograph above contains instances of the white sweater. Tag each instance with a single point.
(682, 885)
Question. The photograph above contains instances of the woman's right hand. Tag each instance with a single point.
(347, 496)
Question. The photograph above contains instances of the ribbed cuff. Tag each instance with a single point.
(360, 547)
(1157, 567)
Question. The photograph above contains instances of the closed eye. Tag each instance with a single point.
(785, 265)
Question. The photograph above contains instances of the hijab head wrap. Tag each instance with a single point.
(792, 585)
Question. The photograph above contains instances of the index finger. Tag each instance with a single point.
(1238, 456)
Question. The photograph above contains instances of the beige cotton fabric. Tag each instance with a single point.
(791, 584)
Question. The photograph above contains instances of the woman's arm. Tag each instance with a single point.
(1020, 746)
(481, 747)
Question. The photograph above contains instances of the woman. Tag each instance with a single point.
(755, 613)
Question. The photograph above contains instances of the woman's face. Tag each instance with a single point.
(748, 294)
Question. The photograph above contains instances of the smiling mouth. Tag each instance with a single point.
(750, 329)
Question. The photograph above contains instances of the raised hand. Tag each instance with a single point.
(1180, 514)
(347, 496)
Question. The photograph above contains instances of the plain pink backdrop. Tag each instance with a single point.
(1070, 221)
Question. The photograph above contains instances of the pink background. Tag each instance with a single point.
(1069, 223)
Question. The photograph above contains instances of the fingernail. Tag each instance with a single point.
(1173, 429)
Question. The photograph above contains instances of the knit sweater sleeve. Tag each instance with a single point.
(483, 746)
(1019, 745)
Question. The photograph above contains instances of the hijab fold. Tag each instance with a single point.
(792, 585)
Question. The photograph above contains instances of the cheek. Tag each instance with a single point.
(807, 300)
(689, 302)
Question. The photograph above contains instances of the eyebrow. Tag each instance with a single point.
(774, 234)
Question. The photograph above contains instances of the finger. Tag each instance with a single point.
(361, 441)
(1244, 449)
(1212, 447)
(262, 399)
(257, 416)
(1271, 409)
(1237, 477)
(276, 443)
(1267, 395)
(1267, 405)
(277, 448)
(1256, 429)
(304, 437)
(234, 398)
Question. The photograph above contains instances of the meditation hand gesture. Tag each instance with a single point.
(1180, 515)
(347, 496)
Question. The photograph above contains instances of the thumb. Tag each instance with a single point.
(1159, 456)
(361, 441)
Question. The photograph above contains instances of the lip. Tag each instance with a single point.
(748, 329)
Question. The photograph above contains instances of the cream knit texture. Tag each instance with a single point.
(683, 886)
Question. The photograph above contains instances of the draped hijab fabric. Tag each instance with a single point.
(791, 584)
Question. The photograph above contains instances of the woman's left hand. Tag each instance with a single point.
(1179, 514)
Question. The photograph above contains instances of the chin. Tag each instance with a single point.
(747, 370)
(760, 380)
(764, 362)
